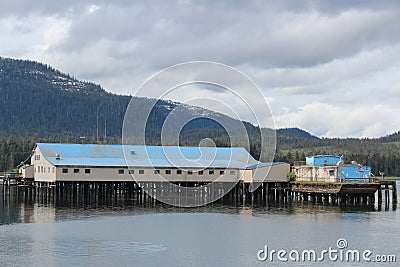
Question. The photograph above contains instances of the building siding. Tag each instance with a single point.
(46, 171)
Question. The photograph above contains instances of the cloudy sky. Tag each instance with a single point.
(330, 67)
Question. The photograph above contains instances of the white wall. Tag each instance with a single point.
(274, 173)
(247, 176)
(112, 174)
(318, 174)
(44, 171)
(28, 172)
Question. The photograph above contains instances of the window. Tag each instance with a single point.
(54, 170)
(156, 171)
(190, 172)
(48, 170)
(44, 169)
(201, 172)
(141, 171)
(179, 172)
(221, 172)
(331, 173)
(211, 172)
(167, 171)
(87, 171)
(121, 171)
(37, 157)
(64, 170)
(131, 171)
(232, 172)
(76, 170)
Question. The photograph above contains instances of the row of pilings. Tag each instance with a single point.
(268, 193)
(91, 193)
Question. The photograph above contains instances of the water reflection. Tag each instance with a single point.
(25, 205)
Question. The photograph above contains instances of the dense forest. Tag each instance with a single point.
(41, 104)
(381, 154)
(37, 100)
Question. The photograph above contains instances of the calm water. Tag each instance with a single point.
(37, 233)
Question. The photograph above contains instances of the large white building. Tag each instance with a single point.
(54, 162)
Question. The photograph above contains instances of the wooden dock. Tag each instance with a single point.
(88, 193)
(363, 194)
(352, 193)
(385, 187)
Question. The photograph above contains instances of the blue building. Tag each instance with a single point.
(330, 168)
(356, 173)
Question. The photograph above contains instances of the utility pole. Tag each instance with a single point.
(105, 130)
(97, 125)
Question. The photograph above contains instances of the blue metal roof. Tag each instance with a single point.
(95, 155)
(323, 160)
(263, 164)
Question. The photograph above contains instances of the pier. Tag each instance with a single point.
(188, 177)
(88, 193)
(380, 192)
(351, 193)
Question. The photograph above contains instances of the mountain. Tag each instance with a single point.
(37, 100)
(39, 103)
(296, 132)
(395, 137)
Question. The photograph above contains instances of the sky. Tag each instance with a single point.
(329, 67)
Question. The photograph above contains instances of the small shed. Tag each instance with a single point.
(356, 173)
(27, 171)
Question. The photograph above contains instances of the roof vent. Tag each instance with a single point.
(133, 152)
(58, 156)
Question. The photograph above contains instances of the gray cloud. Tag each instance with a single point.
(165, 34)
(26, 7)
(299, 52)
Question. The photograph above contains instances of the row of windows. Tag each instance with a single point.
(179, 172)
(42, 169)
(87, 171)
(167, 172)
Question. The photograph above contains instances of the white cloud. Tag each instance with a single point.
(331, 121)
(394, 91)
(318, 56)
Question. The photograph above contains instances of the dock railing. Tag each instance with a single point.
(336, 180)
